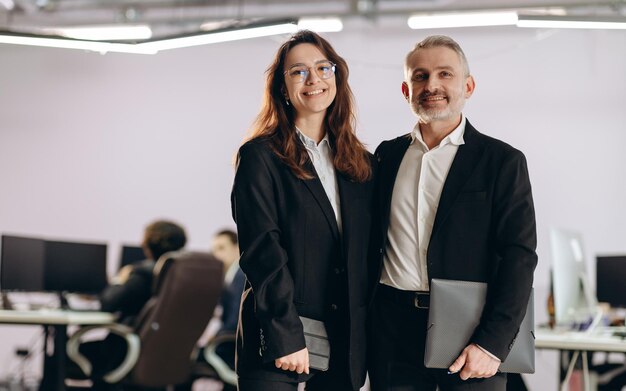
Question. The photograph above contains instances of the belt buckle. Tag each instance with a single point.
(418, 303)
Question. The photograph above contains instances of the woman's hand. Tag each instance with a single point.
(298, 362)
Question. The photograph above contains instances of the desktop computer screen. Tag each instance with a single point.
(75, 267)
(611, 280)
(22, 264)
(130, 255)
(574, 303)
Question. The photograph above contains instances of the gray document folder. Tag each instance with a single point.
(317, 343)
(455, 311)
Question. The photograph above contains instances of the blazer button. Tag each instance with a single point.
(333, 307)
(380, 250)
(337, 270)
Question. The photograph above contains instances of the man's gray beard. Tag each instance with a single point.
(427, 116)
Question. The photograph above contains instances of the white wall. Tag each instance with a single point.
(93, 147)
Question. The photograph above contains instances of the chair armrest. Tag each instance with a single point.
(132, 353)
(226, 374)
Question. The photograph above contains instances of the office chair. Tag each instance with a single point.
(224, 371)
(209, 365)
(186, 289)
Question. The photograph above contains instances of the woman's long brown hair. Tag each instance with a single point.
(276, 119)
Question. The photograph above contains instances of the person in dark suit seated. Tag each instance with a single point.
(130, 291)
(301, 200)
(453, 204)
(225, 247)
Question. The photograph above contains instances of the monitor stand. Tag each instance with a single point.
(6, 302)
(590, 314)
(63, 305)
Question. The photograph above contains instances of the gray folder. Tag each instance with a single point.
(317, 343)
(455, 311)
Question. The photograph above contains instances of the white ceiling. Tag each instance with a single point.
(173, 17)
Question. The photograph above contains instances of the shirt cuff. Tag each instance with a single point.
(488, 353)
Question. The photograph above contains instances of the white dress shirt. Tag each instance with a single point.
(414, 203)
(322, 157)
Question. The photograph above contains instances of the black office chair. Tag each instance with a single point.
(224, 372)
(208, 364)
(187, 287)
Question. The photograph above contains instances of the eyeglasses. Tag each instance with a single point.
(299, 73)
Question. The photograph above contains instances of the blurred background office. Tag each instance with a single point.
(93, 146)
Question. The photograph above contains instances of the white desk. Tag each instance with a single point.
(57, 322)
(56, 317)
(580, 343)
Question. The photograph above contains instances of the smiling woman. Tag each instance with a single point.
(310, 93)
(303, 182)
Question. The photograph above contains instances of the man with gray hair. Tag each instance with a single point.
(452, 204)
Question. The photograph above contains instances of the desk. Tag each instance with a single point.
(580, 343)
(56, 321)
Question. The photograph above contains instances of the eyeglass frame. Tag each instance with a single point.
(333, 67)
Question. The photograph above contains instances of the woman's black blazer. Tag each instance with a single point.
(290, 247)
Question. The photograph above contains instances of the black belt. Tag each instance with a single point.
(413, 298)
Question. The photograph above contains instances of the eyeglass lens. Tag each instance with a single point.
(299, 73)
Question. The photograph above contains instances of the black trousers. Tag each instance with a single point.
(331, 380)
(104, 355)
(396, 340)
(336, 378)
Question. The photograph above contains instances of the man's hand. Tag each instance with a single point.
(298, 362)
(122, 275)
(474, 362)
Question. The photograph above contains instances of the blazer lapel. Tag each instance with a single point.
(348, 191)
(464, 163)
(315, 187)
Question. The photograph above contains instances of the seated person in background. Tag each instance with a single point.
(226, 248)
(131, 290)
(132, 287)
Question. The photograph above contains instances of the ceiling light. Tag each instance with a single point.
(8, 4)
(216, 25)
(221, 36)
(321, 25)
(466, 19)
(571, 22)
(102, 33)
(67, 43)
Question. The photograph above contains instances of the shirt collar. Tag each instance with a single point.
(309, 142)
(455, 137)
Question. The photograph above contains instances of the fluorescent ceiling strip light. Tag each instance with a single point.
(321, 25)
(572, 22)
(8, 4)
(101, 47)
(216, 25)
(466, 19)
(103, 33)
(224, 36)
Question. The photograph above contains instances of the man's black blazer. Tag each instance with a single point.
(291, 250)
(484, 229)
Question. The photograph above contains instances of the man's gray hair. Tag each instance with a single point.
(435, 41)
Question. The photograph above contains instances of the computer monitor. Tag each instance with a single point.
(611, 280)
(574, 303)
(131, 254)
(22, 264)
(75, 267)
